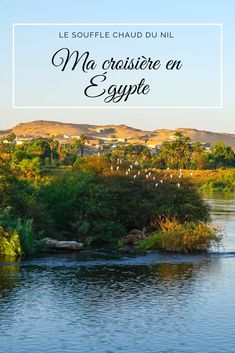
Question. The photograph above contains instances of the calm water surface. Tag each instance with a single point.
(110, 303)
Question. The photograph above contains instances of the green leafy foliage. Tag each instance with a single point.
(10, 244)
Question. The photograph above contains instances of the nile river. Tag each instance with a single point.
(111, 303)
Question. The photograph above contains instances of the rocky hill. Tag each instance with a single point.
(42, 128)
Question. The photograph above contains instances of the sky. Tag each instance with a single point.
(198, 82)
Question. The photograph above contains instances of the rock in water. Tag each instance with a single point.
(62, 245)
(134, 237)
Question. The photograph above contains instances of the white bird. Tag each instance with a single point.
(146, 176)
(139, 172)
(180, 176)
(131, 166)
(156, 185)
(126, 173)
(191, 174)
(149, 173)
(136, 163)
(145, 171)
(118, 167)
(161, 181)
(168, 168)
(171, 176)
(111, 167)
(129, 170)
(178, 185)
(134, 176)
(154, 178)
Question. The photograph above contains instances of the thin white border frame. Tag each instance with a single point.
(220, 106)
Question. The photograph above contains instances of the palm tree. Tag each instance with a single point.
(182, 149)
(82, 142)
(53, 144)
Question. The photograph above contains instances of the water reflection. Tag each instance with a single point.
(105, 306)
(121, 302)
(9, 274)
(223, 213)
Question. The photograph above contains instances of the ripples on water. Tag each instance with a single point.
(110, 303)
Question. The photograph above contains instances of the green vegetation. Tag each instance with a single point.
(184, 237)
(10, 244)
(50, 189)
(223, 181)
(179, 153)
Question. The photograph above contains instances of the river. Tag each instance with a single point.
(111, 303)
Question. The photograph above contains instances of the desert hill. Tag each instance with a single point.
(42, 128)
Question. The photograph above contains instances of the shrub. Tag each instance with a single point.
(27, 238)
(174, 236)
(9, 243)
(101, 208)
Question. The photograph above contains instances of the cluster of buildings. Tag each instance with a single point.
(94, 142)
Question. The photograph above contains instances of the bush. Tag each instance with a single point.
(22, 228)
(187, 237)
(9, 243)
(98, 208)
(27, 238)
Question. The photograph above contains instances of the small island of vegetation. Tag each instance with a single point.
(62, 192)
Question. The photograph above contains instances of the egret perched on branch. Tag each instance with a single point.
(118, 167)
(136, 163)
(134, 176)
(161, 181)
(111, 168)
(146, 176)
(149, 173)
(126, 173)
(146, 171)
(178, 185)
(171, 176)
(139, 172)
(131, 166)
(156, 185)
(154, 178)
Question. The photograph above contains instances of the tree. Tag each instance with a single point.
(7, 143)
(176, 153)
(39, 148)
(53, 144)
(30, 168)
(198, 156)
(182, 149)
(82, 142)
(221, 155)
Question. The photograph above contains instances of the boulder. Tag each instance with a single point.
(134, 237)
(62, 245)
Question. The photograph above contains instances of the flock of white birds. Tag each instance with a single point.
(136, 171)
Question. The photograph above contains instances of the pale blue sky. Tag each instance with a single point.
(12, 11)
